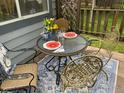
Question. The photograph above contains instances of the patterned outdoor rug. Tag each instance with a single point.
(47, 79)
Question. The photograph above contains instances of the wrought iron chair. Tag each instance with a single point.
(16, 77)
(107, 43)
(83, 72)
(63, 24)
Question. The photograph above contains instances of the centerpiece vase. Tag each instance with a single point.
(52, 35)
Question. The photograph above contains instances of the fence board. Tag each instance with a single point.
(106, 21)
(99, 20)
(93, 21)
(87, 20)
(82, 19)
(122, 25)
(102, 20)
(115, 19)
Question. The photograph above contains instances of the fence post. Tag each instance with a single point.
(122, 25)
(115, 19)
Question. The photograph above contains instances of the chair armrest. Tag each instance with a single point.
(19, 76)
(22, 76)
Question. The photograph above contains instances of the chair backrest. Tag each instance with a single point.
(4, 60)
(109, 43)
(110, 40)
(63, 24)
(5, 63)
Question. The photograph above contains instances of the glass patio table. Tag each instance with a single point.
(71, 47)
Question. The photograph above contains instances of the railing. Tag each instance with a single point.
(102, 20)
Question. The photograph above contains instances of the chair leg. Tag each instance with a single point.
(38, 77)
(65, 61)
(17, 91)
(105, 74)
(26, 91)
(29, 89)
(35, 89)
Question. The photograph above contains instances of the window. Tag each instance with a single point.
(7, 10)
(14, 10)
(32, 6)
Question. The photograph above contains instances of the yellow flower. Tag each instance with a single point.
(55, 26)
(48, 28)
(50, 24)
(52, 19)
(51, 28)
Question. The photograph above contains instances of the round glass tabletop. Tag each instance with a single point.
(68, 46)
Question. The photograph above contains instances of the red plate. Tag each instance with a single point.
(70, 35)
(51, 45)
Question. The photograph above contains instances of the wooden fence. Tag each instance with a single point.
(114, 4)
(96, 16)
(101, 20)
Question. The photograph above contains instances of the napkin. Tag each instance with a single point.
(61, 49)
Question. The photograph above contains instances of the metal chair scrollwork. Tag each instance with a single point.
(81, 72)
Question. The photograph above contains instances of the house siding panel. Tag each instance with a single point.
(31, 43)
(19, 32)
(22, 38)
(25, 38)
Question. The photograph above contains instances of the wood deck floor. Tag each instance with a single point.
(120, 77)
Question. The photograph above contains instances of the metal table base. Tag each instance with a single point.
(58, 66)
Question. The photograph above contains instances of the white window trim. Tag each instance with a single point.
(24, 17)
(18, 8)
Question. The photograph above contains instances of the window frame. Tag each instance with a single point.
(20, 17)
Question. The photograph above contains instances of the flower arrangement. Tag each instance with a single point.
(50, 24)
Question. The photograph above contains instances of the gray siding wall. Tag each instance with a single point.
(22, 38)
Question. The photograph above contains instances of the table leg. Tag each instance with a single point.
(50, 66)
(71, 58)
(65, 61)
(57, 72)
(56, 68)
